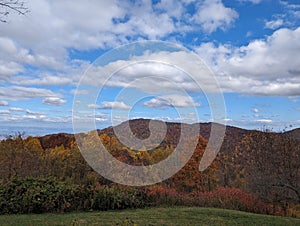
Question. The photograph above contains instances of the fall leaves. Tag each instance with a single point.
(265, 164)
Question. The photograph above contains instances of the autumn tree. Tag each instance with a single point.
(20, 157)
(189, 178)
(272, 165)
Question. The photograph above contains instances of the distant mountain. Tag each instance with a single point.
(140, 129)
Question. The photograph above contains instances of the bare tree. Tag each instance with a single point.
(11, 6)
(272, 166)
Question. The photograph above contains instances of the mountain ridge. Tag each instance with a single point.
(140, 127)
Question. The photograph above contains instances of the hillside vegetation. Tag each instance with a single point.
(254, 171)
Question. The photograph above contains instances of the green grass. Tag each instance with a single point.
(152, 216)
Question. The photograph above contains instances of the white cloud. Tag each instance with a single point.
(22, 93)
(225, 120)
(16, 109)
(116, 104)
(264, 120)
(101, 119)
(8, 68)
(264, 67)
(255, 110)
(293, 10)
(174, 100)
(172, 8)
(93, 106)
(150, 74)
(213, 15)
(252, 1)
(249, 34)
(110, 105)
(290, 5)
(55, 28)
(145, 21)
(29, 112)
(44, 81)
(4, 112)
(274, 24)
(13, 52)
(98, 24)
(4, 103)
(79, 92)
(54, 101)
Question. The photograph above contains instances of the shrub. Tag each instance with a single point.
(227, 198)
(115, 198)
(37, 195)
(160, 195)
(231, 198)
(294, 211)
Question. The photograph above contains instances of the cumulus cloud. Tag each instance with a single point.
(150, 74)
(289, 5)
(56, 101)
(23, 93)
(213, 15)
(9, 68)
(4, 103)
(82, 26)
(174, 100)
(16, 109)
(4, 112)
(293, 9)
(110, 105)
(274, 24)
(100, 24)
(32, 52)
(255, 110)
(29, 112)
(264, 67)
(79, 92)
(13, 52)
(267, 66)
(44, 81)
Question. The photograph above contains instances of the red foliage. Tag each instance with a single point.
(232, 198)
(227, 198)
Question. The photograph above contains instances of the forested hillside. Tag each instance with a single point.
(263, 164)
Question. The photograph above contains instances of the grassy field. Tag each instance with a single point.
(151, 216)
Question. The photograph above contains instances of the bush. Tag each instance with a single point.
(32, 195)
(227, 198)
(158, 195)
(116, 198)
(231, 198)
(37, 195)
(294, 211)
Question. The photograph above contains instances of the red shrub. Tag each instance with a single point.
(231, 198)
(227, 198)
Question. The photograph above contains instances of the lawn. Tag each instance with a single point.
(151, 216)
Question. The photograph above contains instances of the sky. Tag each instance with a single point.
(57, 55)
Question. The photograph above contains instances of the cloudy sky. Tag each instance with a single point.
(251, 47)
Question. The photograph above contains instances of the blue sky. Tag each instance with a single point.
(251, 46)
